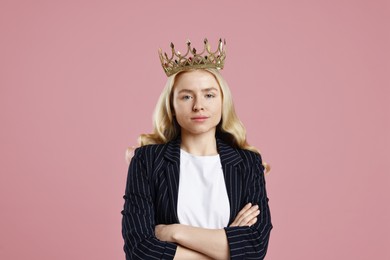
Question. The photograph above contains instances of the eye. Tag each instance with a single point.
(186, 97)
(210, 95)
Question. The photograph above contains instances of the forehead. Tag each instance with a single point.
(196, 80)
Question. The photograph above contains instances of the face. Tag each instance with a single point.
(197, 102)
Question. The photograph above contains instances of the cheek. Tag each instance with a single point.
(179, 110)
(176, 107)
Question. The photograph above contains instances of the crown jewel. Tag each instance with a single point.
(192, 59)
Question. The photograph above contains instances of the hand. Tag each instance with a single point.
(247, 216)
(165, 232)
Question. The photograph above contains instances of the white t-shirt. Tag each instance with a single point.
(202, 200)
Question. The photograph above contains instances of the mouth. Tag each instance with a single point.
(199, 118)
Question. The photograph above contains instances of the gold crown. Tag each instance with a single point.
(193, 60)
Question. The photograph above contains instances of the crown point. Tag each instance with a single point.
(205, 59)
(208, 47)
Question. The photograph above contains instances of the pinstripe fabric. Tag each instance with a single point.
(152, 192)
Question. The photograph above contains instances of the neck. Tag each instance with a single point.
(201, 145)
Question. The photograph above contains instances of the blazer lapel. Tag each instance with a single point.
(229, 160)
(172, 173)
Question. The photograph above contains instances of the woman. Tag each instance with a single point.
(195, 188)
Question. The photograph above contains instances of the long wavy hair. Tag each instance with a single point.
(166, 128)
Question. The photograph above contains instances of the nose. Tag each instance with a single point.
(197, 105)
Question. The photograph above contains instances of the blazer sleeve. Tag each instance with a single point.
(138, 219)
(252, 242)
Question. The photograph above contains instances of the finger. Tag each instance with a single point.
(240, 213)
(247, 212)
(245, 215)
(248, 215)
(249, 220)
(158, 229)
(252, 222)
(244, 209)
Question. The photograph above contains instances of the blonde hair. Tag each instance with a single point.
(166, 128)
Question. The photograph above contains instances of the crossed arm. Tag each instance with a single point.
(202, 243)
(247, 235)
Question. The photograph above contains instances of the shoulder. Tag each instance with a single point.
(149, 156)
(252, 163)
(150, 151)
(233, 154)
(249, 156)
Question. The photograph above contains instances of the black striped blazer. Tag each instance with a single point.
(151, 198)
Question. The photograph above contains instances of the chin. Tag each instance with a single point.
(199, 131)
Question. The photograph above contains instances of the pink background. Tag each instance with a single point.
(79, 81)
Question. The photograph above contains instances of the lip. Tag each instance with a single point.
(199, 118)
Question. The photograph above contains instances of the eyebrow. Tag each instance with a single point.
(203, 90)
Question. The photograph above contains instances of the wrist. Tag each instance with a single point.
(176, 232)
